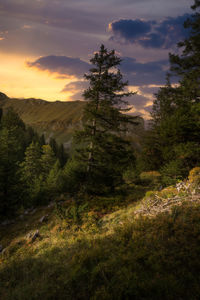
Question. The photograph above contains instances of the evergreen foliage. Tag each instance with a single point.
(175, 144)
(27, 165)
(101, 148)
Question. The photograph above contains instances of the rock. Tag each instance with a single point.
(32, 236)
(29, 235)
(35, 235)
(44, 219)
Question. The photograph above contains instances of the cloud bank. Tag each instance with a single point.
(144, 73)
(149, 34)
(62, 65)
(146, 77)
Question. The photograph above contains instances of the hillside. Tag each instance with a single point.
(146, 250)
(53, 119)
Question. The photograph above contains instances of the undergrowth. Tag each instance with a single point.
(147, 258)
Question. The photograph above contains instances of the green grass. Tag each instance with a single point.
(56, 119)
(117, 256)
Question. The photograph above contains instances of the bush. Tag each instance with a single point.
(73, 177)
(151, 178)
(172, 172)
(194, 177)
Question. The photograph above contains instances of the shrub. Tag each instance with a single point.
(168, 192)
(172, 172)
(194, 177)
(151, 177)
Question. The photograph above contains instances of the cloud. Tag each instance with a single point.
(130, 29)
(140, 106)
(138, 101)
(62, 65)
(150, 34)
(144, 73)
(149, 89)
(54, 13)
(148, 108)
(137, 73)
(76, 88)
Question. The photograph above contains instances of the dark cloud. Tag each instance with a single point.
(137, 73)
(144, 73)
(61, 64)
(154, 34)
(74, 27)
(131, 29)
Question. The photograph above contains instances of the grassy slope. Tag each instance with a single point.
(121, 255)
(55, 119)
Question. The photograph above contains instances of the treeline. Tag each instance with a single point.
(172, 145)
(29, 168)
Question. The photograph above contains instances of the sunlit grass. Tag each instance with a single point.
(118, 255)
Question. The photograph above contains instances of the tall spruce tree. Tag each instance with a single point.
(102, 151)
(176, 110)
(187, 65)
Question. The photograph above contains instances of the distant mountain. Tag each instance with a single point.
(54, 119)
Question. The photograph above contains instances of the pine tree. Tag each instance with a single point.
(101, 147)
(187, 65)
(176, 109)
(12, 147)
(47, 160)
(53, 181)
(31, 174)
(31, 166)
(62, 155)
(10, 154)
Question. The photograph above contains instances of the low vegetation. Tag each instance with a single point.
(136, 252)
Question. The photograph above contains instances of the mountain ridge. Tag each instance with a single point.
(57, 119)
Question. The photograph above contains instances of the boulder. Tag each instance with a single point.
(43, 219)
(31, 236)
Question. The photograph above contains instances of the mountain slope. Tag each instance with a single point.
(55, 119)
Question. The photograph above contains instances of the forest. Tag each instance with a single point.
(104, 160)
(104, 174)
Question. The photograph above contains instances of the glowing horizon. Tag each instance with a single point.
(19, 81)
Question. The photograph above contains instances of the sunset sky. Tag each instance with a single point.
(46, 45)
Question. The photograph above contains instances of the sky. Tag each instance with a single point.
(46, 45)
